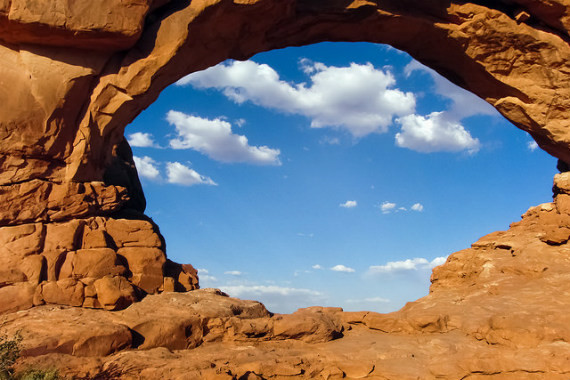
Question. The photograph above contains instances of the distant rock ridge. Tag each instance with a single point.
(72, 227)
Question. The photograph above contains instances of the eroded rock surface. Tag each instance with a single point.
(499, 309)
(97, 262)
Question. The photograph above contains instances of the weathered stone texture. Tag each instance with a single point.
(97, 262)
(73, 74)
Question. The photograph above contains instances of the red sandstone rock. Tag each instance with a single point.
(72, 233)
(113, 293)
(146, 267)
(73, 331)
(110, 24)
(126, 255)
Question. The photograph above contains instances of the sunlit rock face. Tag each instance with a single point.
(73, 74)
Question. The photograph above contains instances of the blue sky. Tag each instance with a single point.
(334, 174)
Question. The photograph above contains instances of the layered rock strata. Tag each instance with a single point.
(498, 310)
(97, 262)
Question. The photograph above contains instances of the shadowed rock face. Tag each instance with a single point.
(73, 74)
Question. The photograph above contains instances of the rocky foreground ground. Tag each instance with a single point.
(499, 309)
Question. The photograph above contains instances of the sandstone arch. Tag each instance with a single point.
(74, 74)
(73, 232)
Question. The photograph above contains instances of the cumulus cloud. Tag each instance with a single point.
(330, 140)
(532, 146)
(442, 131)
(437, 261)
(180, 174)
(417, 207)
(233, 273)
(342, 268)
(415, 264)
(359, 98)
(277, 298)
(349, 204)
(317, 266)
(387, 207)
(147, 167)
(205, 276)
(215, 139)
(141, 140)
(463, 102)
(434, 133)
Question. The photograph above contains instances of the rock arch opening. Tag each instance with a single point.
(274, 226)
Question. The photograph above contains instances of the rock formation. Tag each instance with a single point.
(73, 74)
(497, 310)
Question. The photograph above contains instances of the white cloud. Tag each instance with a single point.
(147, 167)
(464, 103)
(141, 140)
(240, 122)
(415, 264)
(437, 262)
(376, 299)
(359, 98)
(342, 268)
(299, 272)
(532, 146)
(204, 276)
(417, 207)
(317, 266)
(276, 298)
(387, 207)
(442, 131)
(180, 174)
(349, 204)
(369, 300)
(305, 235)
(207, 278)
(330, 140)
(233, 273)
(215, 139)
(434, 133)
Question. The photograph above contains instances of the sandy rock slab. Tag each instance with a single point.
(170, 322)
(361, 353)
(204, 334)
